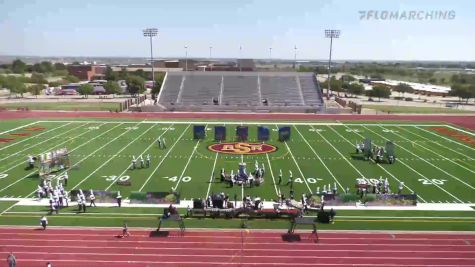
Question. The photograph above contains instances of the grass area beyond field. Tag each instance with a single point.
(69, 106)
(436, 166)
(409, 109)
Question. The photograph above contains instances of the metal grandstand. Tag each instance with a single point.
(251, 91)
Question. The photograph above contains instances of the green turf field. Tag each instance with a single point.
(439, 168)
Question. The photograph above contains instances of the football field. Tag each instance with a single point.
(436, 161)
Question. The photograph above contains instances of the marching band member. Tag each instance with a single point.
(92, 198)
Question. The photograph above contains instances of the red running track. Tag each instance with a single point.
(466, 121)
(74, 247)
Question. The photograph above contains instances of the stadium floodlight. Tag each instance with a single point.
(210, 54)
(330, 34)
(151, 32)
(295, 56)
(240, 57)
(186, 58)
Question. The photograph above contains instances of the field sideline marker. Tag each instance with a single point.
(260, 123)
(390, 174)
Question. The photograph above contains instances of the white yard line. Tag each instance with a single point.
(146, 149)
(296, 164)
(272, 174)
(115, 155)
(456, 178)
(324, 165)
(401, 161)
(286, 123)
(187, 163)
(47, 140)
(28, 175)
(33, 136)
(430, 150)
(163, 159)
(88, 155)
(460, 130)
(19, 127)
(384, 169)
(437, 143)
(212, 175)
(445, 138)
(341, 155)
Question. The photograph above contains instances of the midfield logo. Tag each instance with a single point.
(242, 148)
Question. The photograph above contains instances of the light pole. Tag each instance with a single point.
(210, 65)
(240, 57)
(295, 57)
(330, 34)
(270, 56)
(186, 58)
(151, 32)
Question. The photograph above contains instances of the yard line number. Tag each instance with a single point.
(3, 175)
(372, 181)
(175, 179)
(115, 177)
(309, 180)
(316, 130)
(432, 181)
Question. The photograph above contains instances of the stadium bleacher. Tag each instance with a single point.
(262, 91)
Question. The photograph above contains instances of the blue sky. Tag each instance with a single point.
(114, 28)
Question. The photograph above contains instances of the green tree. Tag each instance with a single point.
(18, 66)
(36, 89)
(112, 88)
(403, 88)
(38, 78)
(85, 89)
(37, 67)
(135, 85)
(15, 85)
(463, 91)
(355, 88)
(59, 66)
(110, 75)
(335, 85)
(379, 91)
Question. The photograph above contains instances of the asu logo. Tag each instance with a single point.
(242, 148)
